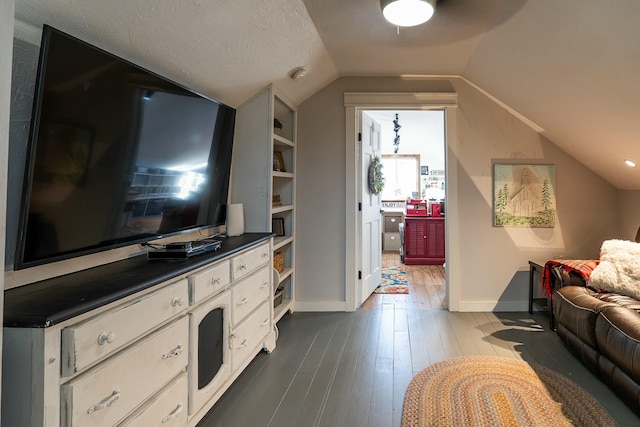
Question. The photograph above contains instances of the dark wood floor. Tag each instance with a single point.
(352, 369)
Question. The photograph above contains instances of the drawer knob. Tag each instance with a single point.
(108, 401)
(244, 343)
(265, 322)
(106, 338)
(175, 352)
(264, 285)
(177, 301)
(265, 255)
(216, 280)
(243, 301)
(243, 266)
(173, 414)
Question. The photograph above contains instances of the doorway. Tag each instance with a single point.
(412, 148)
(355, 104)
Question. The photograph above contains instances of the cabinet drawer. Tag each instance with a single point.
(250, 260)
(249, 336)
(105, 394)
(391, 241)
(249, 294)
(391, 223)
(209, 282)
(86, 342)
(167, 409)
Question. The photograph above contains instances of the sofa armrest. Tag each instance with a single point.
(618, 338)
(561, 278)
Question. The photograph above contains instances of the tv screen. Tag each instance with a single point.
(117, 155)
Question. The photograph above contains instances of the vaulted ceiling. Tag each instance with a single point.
(568, 66)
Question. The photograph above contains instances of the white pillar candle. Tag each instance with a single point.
(235, 219)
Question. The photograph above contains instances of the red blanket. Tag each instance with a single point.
(583, 267)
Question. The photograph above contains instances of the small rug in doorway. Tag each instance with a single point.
(497, 391)
(394, 281)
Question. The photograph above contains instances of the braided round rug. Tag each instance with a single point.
(497, 391)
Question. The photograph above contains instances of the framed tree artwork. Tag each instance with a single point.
(524, 195)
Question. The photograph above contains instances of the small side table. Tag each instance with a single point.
(546, 303)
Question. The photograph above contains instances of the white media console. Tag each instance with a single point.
(129, 343)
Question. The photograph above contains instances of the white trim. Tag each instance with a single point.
(27, 32)
(357, 101)
(410, 100)
(536, 128)
(309, 306)
(351, 215)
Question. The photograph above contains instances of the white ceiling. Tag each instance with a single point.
(569, 66)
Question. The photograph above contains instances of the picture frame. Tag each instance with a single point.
(277, 226)
(278, 162)
(524, 195)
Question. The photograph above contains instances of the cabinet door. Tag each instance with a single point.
(435, 239)
(415, 238)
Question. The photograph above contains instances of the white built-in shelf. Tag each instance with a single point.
(280, 140)
(280, 209)
(282, 308)
(281, 241)
(256, 146)
(278, 174)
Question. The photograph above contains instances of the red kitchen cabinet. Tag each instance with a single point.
(424, 240)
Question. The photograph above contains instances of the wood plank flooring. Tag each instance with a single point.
(352, 369)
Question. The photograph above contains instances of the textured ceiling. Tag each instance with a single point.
(568, 66)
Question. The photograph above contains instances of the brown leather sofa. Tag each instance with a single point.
(603, 331)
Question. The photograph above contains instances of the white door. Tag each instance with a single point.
(370, 216)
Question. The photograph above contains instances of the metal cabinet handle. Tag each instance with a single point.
(265, 322)
(177, 301)
(106, 338)
(264, 285)
(216, 280)
(175, 352)
(106, 402)
(243, 301)
(265, 255)
(243, 266)
(244, 343)
(173, 414)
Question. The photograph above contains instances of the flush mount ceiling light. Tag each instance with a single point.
(408, 13)
(298, 73)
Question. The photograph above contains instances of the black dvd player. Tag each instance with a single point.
(181, 250)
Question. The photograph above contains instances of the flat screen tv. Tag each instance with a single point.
(117, 155)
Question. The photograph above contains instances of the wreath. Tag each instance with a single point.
(376, 180)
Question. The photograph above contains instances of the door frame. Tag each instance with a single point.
(354, 103)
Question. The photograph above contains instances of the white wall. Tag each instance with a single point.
(629, 208)
(493, 270)
(6, 48)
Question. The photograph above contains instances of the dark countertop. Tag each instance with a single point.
(49, 302)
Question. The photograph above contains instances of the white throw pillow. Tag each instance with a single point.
(619, 268)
